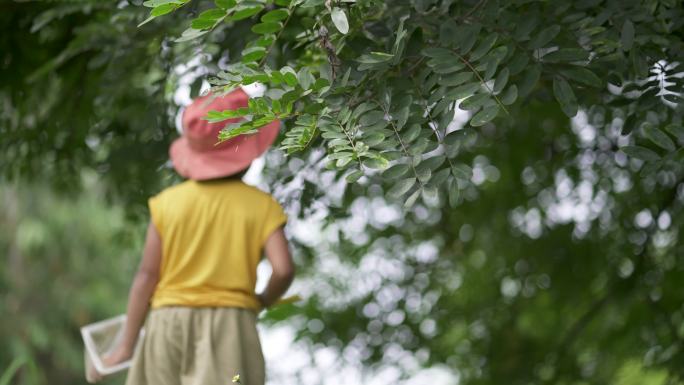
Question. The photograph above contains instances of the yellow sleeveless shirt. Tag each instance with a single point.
(212, 235)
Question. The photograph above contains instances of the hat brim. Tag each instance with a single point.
(228, 159)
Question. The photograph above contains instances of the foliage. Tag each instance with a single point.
(557, 259)
(561, 265)
(386, 89)
(68, 262)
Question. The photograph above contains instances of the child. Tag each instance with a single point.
(198, 271)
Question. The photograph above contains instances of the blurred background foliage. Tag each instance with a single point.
(67, 262)
(561, 264)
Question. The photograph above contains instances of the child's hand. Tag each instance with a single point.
(262, 302)
(117, 356)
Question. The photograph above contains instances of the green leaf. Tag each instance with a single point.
(447, 68)
(190, 34)
(343, 162)
(629, 124)
(212, 14)
(147, 21)
(333, 135)
(202, 23)
(354, 176)
(163, 9)
(157, 3)
(453, 193)
(419, 146)
(451, 146)
(305, 79)
(642, 153)
(442, 102)
(658, 137)
(461, 92)
(510, 96)
(501, 81)
(639, 63)
(371, 117)
(411, 200)
(376, 162)
(433, 162)
(498, 54)
(437, 52)
(440, 176)
(529, 80)
(566, 55)
(484, 116)
(447, 31)
(491, 67)
(672, 98)
(339, 18)
(518, 63)
(234, 130)
(362, 109)
(225, 4)
(565, 96)
(582, 75)
(275, 15)
(266, 28)
(320, 84)
(676, 130)
(374, 58)
(627, 35)
(246, 9)
(411, 133)
(484, 47)
(265, 41)
(462, 171)
(524, 27)
(423, 6)
(545, 36)
(476, 101)
(219, 116)
(253, 54)
(467, 38)
(455, 79)
(423, 174)
(401, 117)
(310, 3)
(395, 171)
(430, 193)
(289, 76)
(373, 138)
(401, 187)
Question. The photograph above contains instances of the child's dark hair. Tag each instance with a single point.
(237, 176)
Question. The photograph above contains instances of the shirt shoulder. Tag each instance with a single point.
(256, 193)
(175, 190)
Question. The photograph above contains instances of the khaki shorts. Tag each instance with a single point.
(198, 346)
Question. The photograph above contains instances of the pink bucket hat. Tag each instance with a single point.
(196, 155)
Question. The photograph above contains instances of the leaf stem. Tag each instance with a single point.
(432, 120)
(470, 66)
(401, 142)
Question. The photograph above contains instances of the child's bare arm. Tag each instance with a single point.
(143, 287)
(278, 255)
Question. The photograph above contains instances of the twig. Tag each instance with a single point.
(432, 120)
(475, 8)
(401, 142)
(473, 70)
